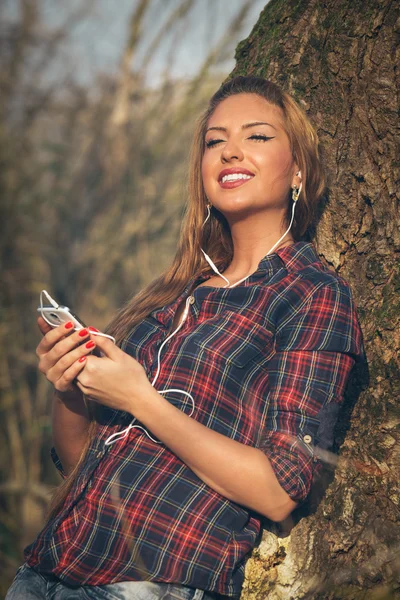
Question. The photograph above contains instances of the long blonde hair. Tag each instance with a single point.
(215, 238)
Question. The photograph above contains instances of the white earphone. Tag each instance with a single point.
(295, 196)
(122, 434)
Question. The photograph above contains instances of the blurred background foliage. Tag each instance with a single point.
(98, 105)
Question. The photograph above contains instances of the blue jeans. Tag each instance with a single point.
(30, 585)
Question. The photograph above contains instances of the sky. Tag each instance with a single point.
(96, 40)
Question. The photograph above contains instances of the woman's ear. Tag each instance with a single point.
(297, 178)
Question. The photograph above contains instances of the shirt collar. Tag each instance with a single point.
(293, 258)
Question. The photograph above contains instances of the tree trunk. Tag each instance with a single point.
(340, 60)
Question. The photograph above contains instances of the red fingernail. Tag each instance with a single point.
(93, 329)
(90, 344)
(68, 325)
(82, 359)
(83, 332)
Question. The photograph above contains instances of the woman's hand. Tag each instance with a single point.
(59, 353)
(116, 379)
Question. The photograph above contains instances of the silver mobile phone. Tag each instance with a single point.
(55, 314)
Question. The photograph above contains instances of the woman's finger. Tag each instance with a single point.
(56, 371)
(53, 336)
(64, 383)
(107, 347)
(66, 345)
(43, 326)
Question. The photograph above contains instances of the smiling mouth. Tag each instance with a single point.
(234, 180)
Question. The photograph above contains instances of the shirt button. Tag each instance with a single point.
(307, 439)
(191, 300)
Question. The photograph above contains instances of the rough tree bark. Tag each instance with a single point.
(340, 60)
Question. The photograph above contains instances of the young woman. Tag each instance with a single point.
(226, 379)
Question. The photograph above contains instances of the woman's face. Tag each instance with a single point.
(247, 163)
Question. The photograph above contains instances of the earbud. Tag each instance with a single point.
(296, 190)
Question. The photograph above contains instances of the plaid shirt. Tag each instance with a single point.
(267, 363)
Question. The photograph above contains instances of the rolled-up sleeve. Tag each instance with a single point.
(316, 349)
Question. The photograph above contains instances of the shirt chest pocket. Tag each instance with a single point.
(234, 339)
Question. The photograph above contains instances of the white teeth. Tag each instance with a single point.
(235, 177)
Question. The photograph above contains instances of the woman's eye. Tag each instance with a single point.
(211, 143)
(260, 137)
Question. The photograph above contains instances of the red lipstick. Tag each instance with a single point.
(233, 182)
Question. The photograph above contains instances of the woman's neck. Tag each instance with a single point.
(235, 274)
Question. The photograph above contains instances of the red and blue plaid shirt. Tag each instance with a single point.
(266, 363)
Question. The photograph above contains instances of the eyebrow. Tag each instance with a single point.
(245, 126)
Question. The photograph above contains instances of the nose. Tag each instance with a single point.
(231, 151)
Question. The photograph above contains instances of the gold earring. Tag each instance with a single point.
(295, 193)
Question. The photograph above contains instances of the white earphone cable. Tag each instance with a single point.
(214, 267)
(122, 434)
